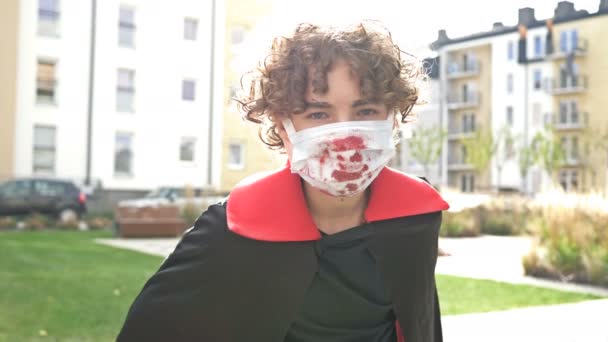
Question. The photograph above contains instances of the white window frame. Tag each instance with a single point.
(41, 147)
(52, 99)
(126, 29)
(191, 28)
(123, 173)
(49, 19)
(511, 50)
(231, 164)
(125, 91)
(537, 84)
(186, 140)
(193, 82)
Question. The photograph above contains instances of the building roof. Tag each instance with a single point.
(564, 12)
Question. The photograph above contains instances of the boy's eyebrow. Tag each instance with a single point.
(357, 103)
(364, 102)
(317, 104)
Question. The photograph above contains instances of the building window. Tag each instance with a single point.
(186, 149)
(126, 27)
(537, 114)
(45, 82)
(568, 41)
(125, 90)
(190, 28)
(538, 82)
(188, 90)
(510, 116)
(568, 179)
(238, 34)
(123, 154)
(510, 50)
(44, 149)
(468, 123)
(538, 46)
(48, 18)
(467, 182)
(510, 83)
(236, 157)
(568, 77)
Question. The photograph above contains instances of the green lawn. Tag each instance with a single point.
(61, 286)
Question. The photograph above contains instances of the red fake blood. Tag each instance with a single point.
(343, 176)
(352, 187)
(347, 144)
(356, 158)
(340, 158)
(365, 168)
(324, 156)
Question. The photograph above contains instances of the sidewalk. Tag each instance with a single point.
(494, 258)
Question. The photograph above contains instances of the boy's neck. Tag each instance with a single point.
(335, 214)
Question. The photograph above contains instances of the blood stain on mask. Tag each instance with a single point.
(352, 187)
(343, 176)
(347, 144)
(356, 158)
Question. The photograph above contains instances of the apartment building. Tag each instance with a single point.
(425, 117)
(121, 94)
(522, 80)
(243, 152)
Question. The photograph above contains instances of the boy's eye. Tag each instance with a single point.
(317, 115)
(368, 112)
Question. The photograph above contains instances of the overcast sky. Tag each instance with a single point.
(414, 24)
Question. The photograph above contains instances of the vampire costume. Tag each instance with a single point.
(256, 268)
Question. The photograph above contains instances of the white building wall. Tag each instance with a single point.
(71, 53)
(509, 176)
(427, 116)
(162, 58)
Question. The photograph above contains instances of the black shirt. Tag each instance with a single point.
(347, 300)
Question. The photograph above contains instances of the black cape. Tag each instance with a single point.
(218, 286)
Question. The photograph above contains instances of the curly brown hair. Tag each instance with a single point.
(278, 86)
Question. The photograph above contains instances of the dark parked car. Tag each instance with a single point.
(60, 198)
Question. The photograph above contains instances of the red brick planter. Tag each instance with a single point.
(150, 222)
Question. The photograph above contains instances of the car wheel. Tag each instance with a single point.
(67, 215)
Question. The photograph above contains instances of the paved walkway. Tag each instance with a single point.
(486, 257)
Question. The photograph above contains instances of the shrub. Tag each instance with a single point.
(97, 223)
(37, 221)
(572, 239)
(459, 224)
(67, 224)
(7, 222)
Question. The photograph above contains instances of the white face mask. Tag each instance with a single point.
(341, 159)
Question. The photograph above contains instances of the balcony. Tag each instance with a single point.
(456, 163)
(570, 121)
(566, 85)
(463, 100)
(580, 49)
(457, 133)
(461, 70)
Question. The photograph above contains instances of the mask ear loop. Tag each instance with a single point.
(288, 125)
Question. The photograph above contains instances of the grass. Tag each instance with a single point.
(463, 295)
(61, 286)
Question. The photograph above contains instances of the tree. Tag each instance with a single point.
(549, 152)
(505, 150)
(479, 150)
(527, 157)
(425, 146)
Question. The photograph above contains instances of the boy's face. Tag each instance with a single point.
(342, 102)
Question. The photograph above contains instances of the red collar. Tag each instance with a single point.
(271, 206)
